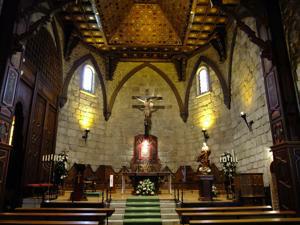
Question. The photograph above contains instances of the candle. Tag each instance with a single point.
(43, 158)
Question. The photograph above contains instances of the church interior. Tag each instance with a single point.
(150, 112)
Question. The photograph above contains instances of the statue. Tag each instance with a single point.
(148, 108)
(203, 158)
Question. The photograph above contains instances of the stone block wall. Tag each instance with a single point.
(111, 142)
(208, 111)
(80, 112)
(248, 95)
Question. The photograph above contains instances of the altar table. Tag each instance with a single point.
(155, 177)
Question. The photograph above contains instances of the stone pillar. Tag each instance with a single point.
(283, 110)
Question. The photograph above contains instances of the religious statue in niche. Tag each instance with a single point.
(203, 159)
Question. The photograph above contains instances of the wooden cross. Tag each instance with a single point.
(148, 108)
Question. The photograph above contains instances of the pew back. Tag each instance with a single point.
(46, 222)
(224, 209)
(108, 211)
(263, 221)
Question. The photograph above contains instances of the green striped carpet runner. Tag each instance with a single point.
(142, 210)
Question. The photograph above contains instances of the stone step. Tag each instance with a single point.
(118, 204)
(167, 204)
(142, 209)
(143, 199)
(148, 221)
(141, 215)
(170, 222)
(169, 216)
(164, 222)
(141, 204)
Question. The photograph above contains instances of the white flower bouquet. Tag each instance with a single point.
(145, 187)
(228, 163)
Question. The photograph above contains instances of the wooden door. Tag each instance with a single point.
(35, 140)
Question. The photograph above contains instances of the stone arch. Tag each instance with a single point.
(224, 86)
(76, 64)
(134, 71)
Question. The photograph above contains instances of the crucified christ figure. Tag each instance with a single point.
(148, 108)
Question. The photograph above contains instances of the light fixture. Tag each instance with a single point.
(86, 134)
(248, 123)
(205, 135)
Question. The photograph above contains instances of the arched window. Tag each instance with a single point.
(88, 79)
(203, 81)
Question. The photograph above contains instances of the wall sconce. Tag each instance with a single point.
(205, 135)
(248, 123)
(86, 134)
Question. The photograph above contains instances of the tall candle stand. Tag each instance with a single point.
(48, 161)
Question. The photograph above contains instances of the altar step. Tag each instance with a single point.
(167, 213)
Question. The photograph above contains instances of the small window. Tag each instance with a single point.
(88, 79)
(203, 85)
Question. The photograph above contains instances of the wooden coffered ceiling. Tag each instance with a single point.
(146, 28)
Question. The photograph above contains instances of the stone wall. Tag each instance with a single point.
(126, 122)
(248, 95)
(208, 111)
(80, 112)
(111, 142)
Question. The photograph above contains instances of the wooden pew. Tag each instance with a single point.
(99, 217)
(186, 217)
(224, 209)
(262, 221)
(46, 222)
(68, 204)
(108, 211)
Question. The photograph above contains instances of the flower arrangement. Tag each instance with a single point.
(214, 191)
(228, 163)
(145, 187)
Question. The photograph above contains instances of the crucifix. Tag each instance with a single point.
(148, 108)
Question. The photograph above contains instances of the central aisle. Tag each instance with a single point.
(142, 210)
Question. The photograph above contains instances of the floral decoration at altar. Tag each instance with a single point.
(228, 162)
(145, 187)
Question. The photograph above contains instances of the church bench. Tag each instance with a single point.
(46, 222)
(223, 209)
(262, 221)
(186, 217)
(108, 211)
(99, 217)
(68, 204)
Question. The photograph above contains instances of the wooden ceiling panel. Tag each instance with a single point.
(112, 12)
(137, 28)
(178, 13)
(147, 25)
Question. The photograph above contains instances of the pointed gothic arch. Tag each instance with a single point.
(76, 64)
(133, 72)
(224, 86)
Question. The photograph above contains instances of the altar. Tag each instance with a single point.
(156, 177)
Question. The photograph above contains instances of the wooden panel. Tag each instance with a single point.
(35, 140)
(48, 142)
(42, 53)
(249, 186)
(4, 157)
